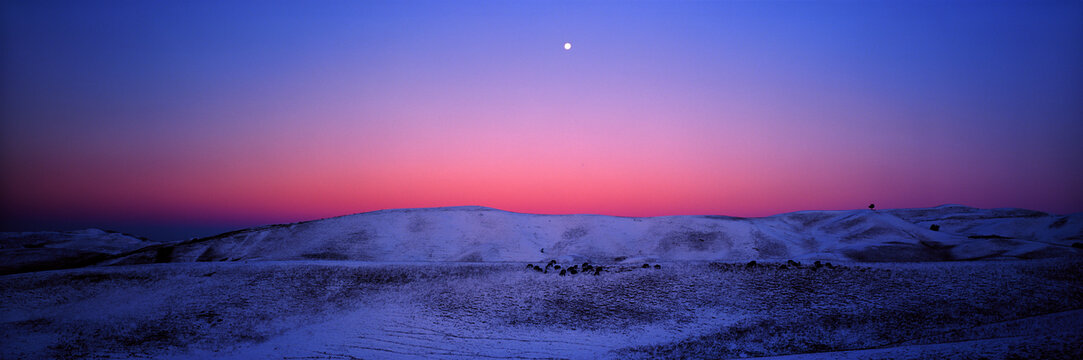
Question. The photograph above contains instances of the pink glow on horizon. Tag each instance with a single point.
(661, 108)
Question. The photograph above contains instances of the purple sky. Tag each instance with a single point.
(225, 113)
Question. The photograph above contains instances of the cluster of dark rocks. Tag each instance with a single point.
(791, 264)
(585, 268)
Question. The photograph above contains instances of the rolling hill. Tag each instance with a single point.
(480, 234)
(50, 250)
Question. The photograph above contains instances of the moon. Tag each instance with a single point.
(567, 46)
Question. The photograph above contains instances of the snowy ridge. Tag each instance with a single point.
(475, 234)
(47, 250)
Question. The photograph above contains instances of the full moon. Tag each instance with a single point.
(567, 46)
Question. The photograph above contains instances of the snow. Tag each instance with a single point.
(93, 240)
(44, 250)
(450, 283)
(474, 234)
(345, 309)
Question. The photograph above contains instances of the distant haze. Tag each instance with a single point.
(221, 114)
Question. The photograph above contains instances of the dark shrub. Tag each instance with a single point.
(163, 254)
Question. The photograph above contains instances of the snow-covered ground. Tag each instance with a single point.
(350, 310)
(453, 283)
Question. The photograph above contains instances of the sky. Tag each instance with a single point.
(185, 118)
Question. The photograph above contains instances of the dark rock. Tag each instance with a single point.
(163, 254)
(991, 236)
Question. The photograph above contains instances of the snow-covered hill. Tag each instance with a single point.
(47, 250)
(486, 234)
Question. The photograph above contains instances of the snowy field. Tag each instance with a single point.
(360, 310)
